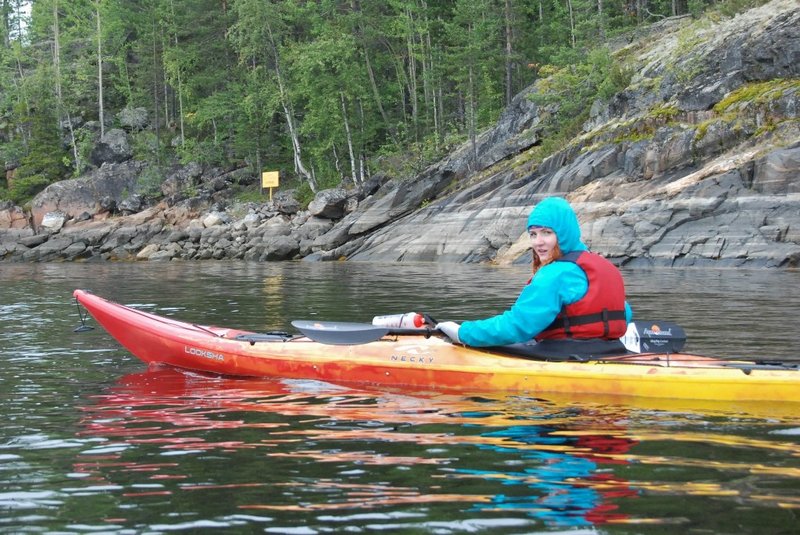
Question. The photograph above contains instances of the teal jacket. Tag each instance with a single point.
(554, 286)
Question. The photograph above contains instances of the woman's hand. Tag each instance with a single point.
(450, 329)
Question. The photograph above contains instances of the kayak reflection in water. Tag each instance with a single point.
(573, 304)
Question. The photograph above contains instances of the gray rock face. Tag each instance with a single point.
(700, 190)
(777, 172)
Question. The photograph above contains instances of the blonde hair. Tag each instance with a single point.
(537, 263)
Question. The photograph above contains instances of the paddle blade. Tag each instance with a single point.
(340, 332)
(654, 337)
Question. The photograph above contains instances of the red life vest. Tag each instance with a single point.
(598, 314)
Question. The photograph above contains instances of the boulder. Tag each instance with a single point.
(53, 221)
(11, 241)
(118, 238)
(329, 203)
(166, 254)
(33, 240)
(278, 248)
(276, 226)
(181, 179)
(113, 147)
(249, 222)
(216, 219)
(52, 249)
(312, 227)
(76, 251)
(133, 119)
(244, 176)
(12, 216)
(285, 203)
(132, 204)
(107, 204)
(94, 193)
(147, 252)
(336, 237)
(92, 233)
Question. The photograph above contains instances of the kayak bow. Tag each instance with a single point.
(421, 362)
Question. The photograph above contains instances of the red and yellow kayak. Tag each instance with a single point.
(432, 363)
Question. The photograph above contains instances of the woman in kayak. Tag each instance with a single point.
(574, 303)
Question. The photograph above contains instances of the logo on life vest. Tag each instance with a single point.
(206, 354)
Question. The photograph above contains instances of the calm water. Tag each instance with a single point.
(92, 441)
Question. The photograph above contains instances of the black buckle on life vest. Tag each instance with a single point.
(606, 316)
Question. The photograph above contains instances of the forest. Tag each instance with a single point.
(329, 92)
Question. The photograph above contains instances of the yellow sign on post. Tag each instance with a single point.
(270, 179)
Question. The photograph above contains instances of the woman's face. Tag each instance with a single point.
(543, 242)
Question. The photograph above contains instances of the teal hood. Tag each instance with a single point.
(556, 213)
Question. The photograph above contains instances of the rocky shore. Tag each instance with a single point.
(696, 162)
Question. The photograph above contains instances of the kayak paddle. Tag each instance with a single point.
(641, 337)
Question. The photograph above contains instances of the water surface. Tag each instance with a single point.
(94, 441)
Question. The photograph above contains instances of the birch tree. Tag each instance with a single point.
(99, 39)
(363, 28)
(473, 36)
(62, 110)
(259, 40)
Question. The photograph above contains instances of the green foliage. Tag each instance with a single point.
(320, 83)
(152, 148)
(12, 151)
(45, 155)
(23, 189)
(758, 93)
(726, 8)
(85, 141)
(665, 113)
(413, 158)
(303, 194)
(149, 181)
(250, 194)
(571, 90)
(204, 152)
